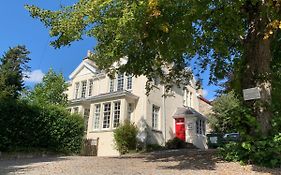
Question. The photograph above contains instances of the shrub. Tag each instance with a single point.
(24, 126)
(125, 137)
(265, 152)
(175, 143)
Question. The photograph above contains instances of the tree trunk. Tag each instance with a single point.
(258, 74)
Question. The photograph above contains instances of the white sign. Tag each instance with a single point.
(251, 94)
(214, 139)
(189, 126)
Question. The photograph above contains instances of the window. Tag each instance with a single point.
(155, 117)
(91, 82)
(129, 82)
(190, 99)
(86, 118)
(75, 110)
(76, 90)
(97, 117)
(84, 86)
(200, 127)
(106, 115)
(69, 109)
(111, 85)
(120, 82)
(130, 111)
(116, 117)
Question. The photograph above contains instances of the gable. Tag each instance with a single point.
(83, 69)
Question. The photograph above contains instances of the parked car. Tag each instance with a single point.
(215, 140)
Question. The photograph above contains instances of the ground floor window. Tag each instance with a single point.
(106, 115)
(116, 114)
(75, 110)
(97, 117)
(155, 117)
(200, 127)
(86, 118)
(130, 111)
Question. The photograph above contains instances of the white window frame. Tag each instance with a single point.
(116, 113)
(130, 110)
(86, 114)
(155, 117)
(76, 91)
(83, 89)
(200, 127)
(129, 82)
(120, 82)
(90, 90)
(97, 117)
(106, 116)
(111, 85)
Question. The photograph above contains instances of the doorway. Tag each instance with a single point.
(180, 128)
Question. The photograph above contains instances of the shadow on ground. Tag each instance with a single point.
(193, 159)
(11, 166)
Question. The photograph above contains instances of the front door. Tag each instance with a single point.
(180, 128)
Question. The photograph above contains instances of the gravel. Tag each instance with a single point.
(175, 162)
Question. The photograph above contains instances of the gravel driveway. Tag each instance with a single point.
(177, 162)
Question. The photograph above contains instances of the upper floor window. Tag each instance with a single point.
(129, 82)
(116, 114)
(83, 91)
(106, 115)
(155, 117)
(111, 85)
(120, 82)
(97, 116)
(91, 82)
(190, 99)
(76, 90)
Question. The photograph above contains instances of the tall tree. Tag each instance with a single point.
(12, 71)
(153, 33)
(50, 90)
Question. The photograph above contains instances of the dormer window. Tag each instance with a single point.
(84, 87)
(120, 82)
(129, 82)
(111, 85)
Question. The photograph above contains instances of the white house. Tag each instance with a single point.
(106, 102)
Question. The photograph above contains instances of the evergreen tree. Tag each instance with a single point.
(12, 69)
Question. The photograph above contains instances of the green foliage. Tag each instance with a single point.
(229, 115)
(175, 143)
(265, 152)
(12, 68)
(125, 137)
(24, 126)
(154, 147)
(50, 91)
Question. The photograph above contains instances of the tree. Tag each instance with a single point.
(12, 69)
(51, 90)
(153, 33)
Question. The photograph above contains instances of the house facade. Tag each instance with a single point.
(106, 102)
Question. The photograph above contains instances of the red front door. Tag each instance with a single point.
(180, 128)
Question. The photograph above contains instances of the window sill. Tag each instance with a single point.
(102, 130)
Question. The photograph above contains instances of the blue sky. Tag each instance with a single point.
(17, 27)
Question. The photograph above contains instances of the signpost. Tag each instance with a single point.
(251, 94)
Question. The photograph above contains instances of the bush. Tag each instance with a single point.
(125, 137)
(24, 127)
(175, 143)
(265, 152)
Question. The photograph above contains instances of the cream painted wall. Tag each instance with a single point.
(142, 108)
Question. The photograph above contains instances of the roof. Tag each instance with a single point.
(187, 111)
(205, 100)
(89, 64)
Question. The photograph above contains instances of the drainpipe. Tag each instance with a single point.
(164, 114)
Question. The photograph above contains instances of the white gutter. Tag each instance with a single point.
(164, 114)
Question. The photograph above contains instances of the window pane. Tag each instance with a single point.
(84, 86)
(97, 116)
(120, 82)
(111, 88)
(130, 111)
(106, 115)
(90, 87)
(129, 82)
(86, 117)
(155, 116)
(76, 90)
(116, 118)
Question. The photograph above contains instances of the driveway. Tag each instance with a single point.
(173, 162)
